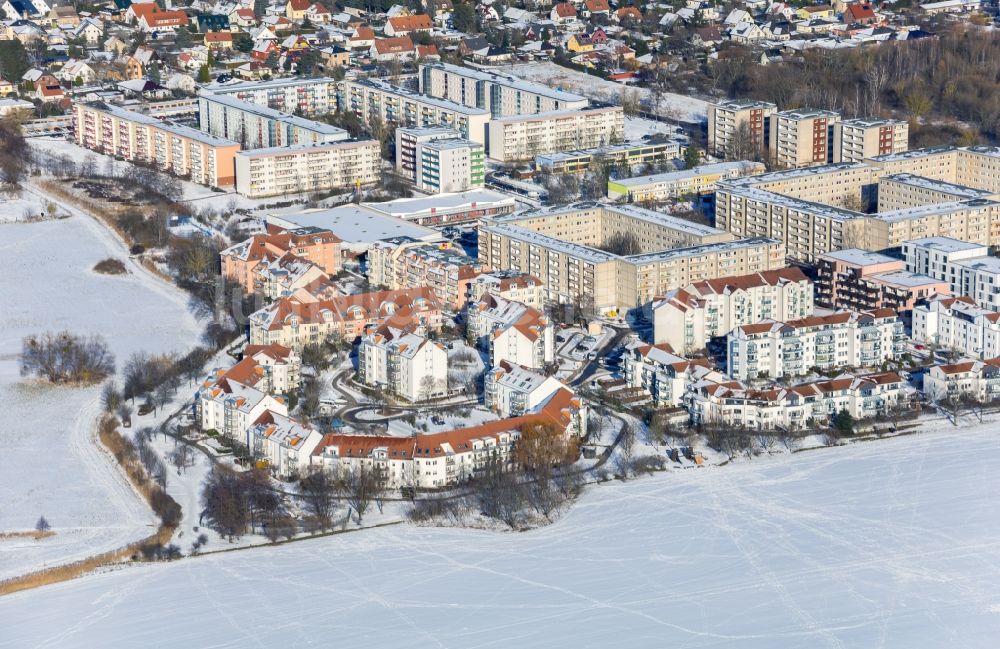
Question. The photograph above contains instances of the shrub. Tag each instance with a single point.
(66, 358)
(110, 266)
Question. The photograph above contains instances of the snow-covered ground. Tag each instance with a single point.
(50, 464)
(894, 543)
(678, 106)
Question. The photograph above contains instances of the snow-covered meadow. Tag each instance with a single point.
(50, 465)
(894, 543)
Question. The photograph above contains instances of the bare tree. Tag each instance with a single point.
(359, 484)
(319, 491)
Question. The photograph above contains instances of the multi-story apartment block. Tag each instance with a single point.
(626, 155)
(522, 137)
(561, 246)
(978, 380)
(450, 166)
(295, 169)
(282, 366)
(319, 247)
(181, 150)
(511, 332)
(302, 96)
(499, 94)
(286, 275)
(726, 120)
(231, 401)
(260, 127)
(284, 444)
(906, 191)
(798, 407)
(965, 268)
(403, 363)
(674, 184)
(859, 280)
(513, 390)
(403, 262)
(801, 137)
(296, 321)
(958, 323)
(372, 99)
(656, 369)
(773, 349)
(857, 139)
(407, 140)
(688, 318)
(510, 285)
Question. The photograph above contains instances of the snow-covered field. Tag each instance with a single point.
(682, 107)
(888, 544)
(50, 465)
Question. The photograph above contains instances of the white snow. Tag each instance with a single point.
(892, 543)
(50, 465)
(682, 107)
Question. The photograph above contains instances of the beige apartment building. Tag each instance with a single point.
(674, 184)
(726, 119)
(524, 137)
(902, 191)
(403, 263)
(801, 137)
(857, 139)
(562, 248)
(279, 171)
(181, 150)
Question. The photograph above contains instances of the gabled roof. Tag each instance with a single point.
(411, 23)
(396, 45)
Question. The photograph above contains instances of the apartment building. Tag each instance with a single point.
(906, 191)
(513, 390)
(403, 363)
(511, 285)
(511, 332)
(674, 184)
(404, 262)
(801, 137)
(298, 320)
(205, 159)
(301, 168)
(561, 247)
(302, 96)
(522, 137)
(859, 280)
(857, 139)
(978, 380)
(664, 375)
(231, 400)
(397, 106)
(965, 268)
(975, 166)
(958, 323)
(799, 407)
(286, 275)
(773, 349)
(260, 127)
(688, 318)
(499, 94)
(624, 155)
(319, 247)
(407, 140)
(735, 118)
(282, 366)
(445, 166)
(283, 444)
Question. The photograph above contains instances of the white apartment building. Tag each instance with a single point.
(306, 97)
(445, 166)
(799, 407)
(522, 137)
(501, 95)
(666, 376)
(283, 443)
(967, 267)
(688, 318)
(403, 363)
(510, 285)
(372, 99)
(772, 349)
(511, 332)
(282, 366)
(801, 137)
(259, 127)
(295, 169)
(726, 120)
(407, 140)
(971, 378)
(958, 323)
(231, 401)
(514, 390)
(284, 275)
(674, 184)
(857, 139)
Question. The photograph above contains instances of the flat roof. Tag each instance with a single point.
(895, 216)
(704, 249)
(945, 244)
(224, 88)
(508, 81)
(586, 253)
(451, 143)
(987, 263)
(605, 150)
(858, 257)
(807, 113)
(354, 224)
(399, 91)
(178, 129)
(632, 211)
(871, 122)
(276, 115)
(556, 114)
(905, 279)
(304, 148)
(743, 104)
(411, 208)
(937, 185)
(702, 170)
